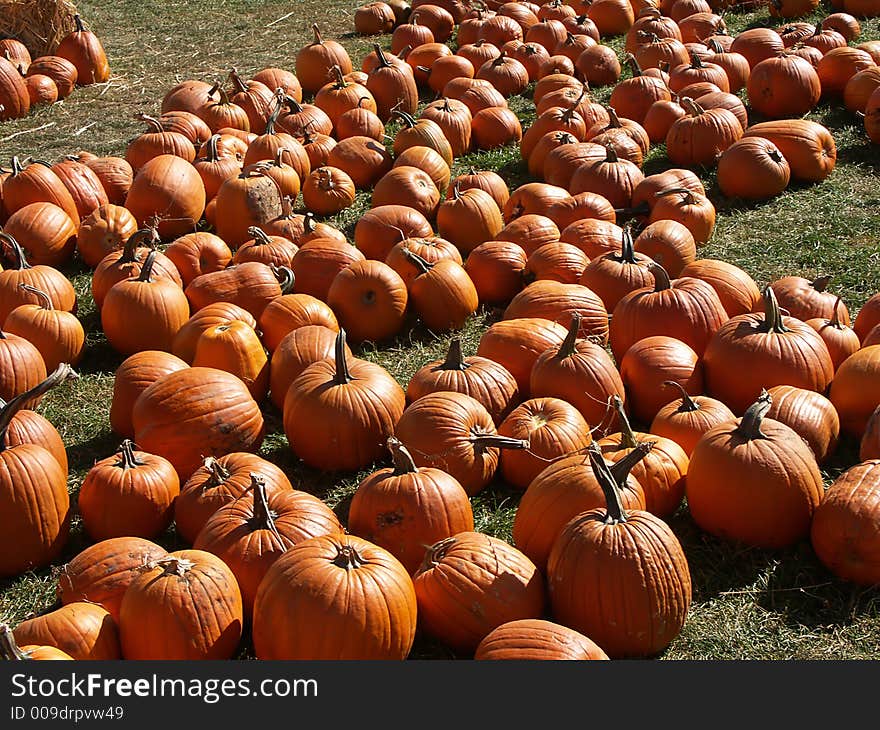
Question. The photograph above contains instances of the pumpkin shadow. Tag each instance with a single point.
(81, 456)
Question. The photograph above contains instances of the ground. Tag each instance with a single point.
(747, 603)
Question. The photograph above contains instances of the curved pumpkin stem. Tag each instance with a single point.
(347, 557)
(343, 376)
(318, 39)
(147, 268)
(8, 648)
(481, 441)
(403, 461)
(688, 404)
(127, 457)
(7, 412)
(436, 552)
(613, 506)
(213, 153)
(152, 122)
(610, 154)
(20, 258)
(420, 263)
(689, 197)
(661, 277)
(286, 277)
(383, 62)
(835, 316)
(454, 357)
(772, 316)
(238, 83)
(147, 236)
(634, 64)
(408, 120)
(750, 424)
(45, 300)
(259, 236)
(691, 107)
(627, 253)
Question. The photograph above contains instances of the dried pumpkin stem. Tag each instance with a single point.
(567, 348)
(348, 557)
(661, 277)
(613, 505)
(218, 473)
(259, 236)
(147, 269)
(820, 283)
(20, 258)
(264, 518)
(620, 469)
(8, 648)
(772, 316)
(45, 299)
(750, 424)
(343, 376)
(127, 457)
(454, 357)
(403, 460)
(483, 441)
(688, 404)
(628, 437)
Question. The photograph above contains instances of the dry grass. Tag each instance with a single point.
(747, 603)
(39, 24)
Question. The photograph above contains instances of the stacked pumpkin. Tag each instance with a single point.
(26, 82)
(214, 322)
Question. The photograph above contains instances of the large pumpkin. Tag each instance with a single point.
(537, 639)
(81, 629)
(196, 412)
(167, 189)
(358, 592)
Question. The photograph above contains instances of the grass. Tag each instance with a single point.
(747, 603)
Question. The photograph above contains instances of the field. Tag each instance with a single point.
(747, 603)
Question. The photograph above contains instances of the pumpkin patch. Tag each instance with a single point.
(486, 330)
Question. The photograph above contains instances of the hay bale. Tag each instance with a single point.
(39, 24)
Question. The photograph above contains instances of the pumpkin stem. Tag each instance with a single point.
(237, 82)
(45, 300)
(566, 349)
(264, 517)
(407, 119)
(403, 461)
(436, 553)
(620, 469)
(8, 648)
(688, 404)
(309, 223)
(213, 154)
(628, 437)
(127, 459)
(820, 283)
(347, 557)
(691, 107)
(423, 266)
(661, 278)
(173, 565)
(219, 473)
(20, 260)
(259, 236)
(689, 198)
(835, 316)
(610, 154)
(7, 412)
(154, 124)
(318, 39)
(80, 28)
(627, 248)
(750, 424)
(286, 277)
(613, 506)
(482, 441)
(633, 65)
(17, 169)
(772, 316)
(147, 268)
(454, 358)
(343, 376)
(383, 62)
(129, 250)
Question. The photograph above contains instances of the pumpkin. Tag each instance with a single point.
(691, 312)
(807, 146)
(100, 574)
(810, 415)
(753, 351)
(33, 495)
(23, 367)
(408, 186)
(370, 300)
(867, 318)
(669, 243)
(144, 313)
(700, 137)
(355, 406)
(421, 132)
(536, 639)
(614, 275)
(291, 311)
(406, 507)
(469, 218)
(598, 65)
(172, 597)
(485, 380)
(37, 182)
(104, 230)
(14, 96)
(198, 253)
(840, 339)
(646, 585)
(495, 127)
(839, 65)
(735, 494)
(360, 591)
(9, 650)
(869, 448)
(235, 348)
(45, 278)
(854, 391)
(554, 430)
(359, 122)
(45, 231)
(128, 495)
(187, 124)
(203, 398)
(442, 293)
(428, 160)
(735, 288)
(128, 264)
(784, 86)
(168, 189)
(251, 286)
(81, 630)
(454, 120)
(685, 421)
(691, 209)
(41, 90)
(252, 532)
(529, 231)
(58, 335)
(392, 86)
(844, 528)
(757, 44)
(486, 180)
(464, 571)
(296, 351)
(455, 433)
(558, 261)
(843, 23)
(477, 95)
(83, 185)
(115, 175)
(157, 141)
(84, 50)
